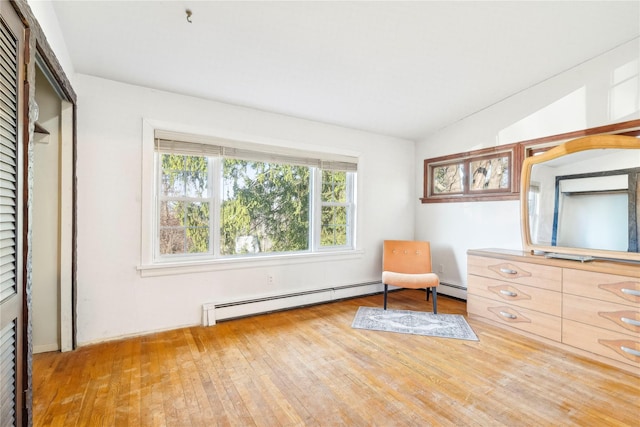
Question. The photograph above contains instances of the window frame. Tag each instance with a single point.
(464, 161)
(212, 179)
(351, 180)
(500, 155)
(151, 265)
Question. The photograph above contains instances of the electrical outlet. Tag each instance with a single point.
(270, 279)
(440, 268)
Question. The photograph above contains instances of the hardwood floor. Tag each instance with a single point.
(309, 367)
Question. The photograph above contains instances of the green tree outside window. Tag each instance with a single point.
(184, 208)
(261, 207)
(333, 231)
(267, 203)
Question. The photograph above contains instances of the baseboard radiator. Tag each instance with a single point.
(212, 312)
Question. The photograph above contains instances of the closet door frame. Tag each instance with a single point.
(37, 49)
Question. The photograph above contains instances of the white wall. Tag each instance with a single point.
(44, 13)
(114, 300)
(601, 91)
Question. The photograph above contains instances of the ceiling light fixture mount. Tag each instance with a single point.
(189, 13)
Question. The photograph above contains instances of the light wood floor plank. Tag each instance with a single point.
(308, 367)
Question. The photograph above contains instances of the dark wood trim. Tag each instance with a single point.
(517, 167)
(465, 159)
(533, 151)
(630, 133)
(470, 198)
(74, 230)
(27, 344)
(622, 128)
(634, 245)
(520, 150)
(474, 153)
(43, 47)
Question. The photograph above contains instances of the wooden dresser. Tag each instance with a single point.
(591, 308)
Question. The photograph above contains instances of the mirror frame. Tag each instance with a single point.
(581, 144)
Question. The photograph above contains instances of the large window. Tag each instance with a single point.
(215, 201)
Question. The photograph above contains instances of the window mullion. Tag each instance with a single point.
(351, 209)
(215, 179)
(315, 187)
(157, 201)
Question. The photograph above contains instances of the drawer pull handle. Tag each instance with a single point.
(508, 271)
(632, 322)
(630, 292)
(508, 315)
(630, 351)
(508, 293)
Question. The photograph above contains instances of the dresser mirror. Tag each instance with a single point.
(581, 199)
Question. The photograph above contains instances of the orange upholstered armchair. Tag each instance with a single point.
(407, 264)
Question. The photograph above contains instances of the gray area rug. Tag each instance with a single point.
(414, 322)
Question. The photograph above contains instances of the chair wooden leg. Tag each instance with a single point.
(385, 295)
(435, 300)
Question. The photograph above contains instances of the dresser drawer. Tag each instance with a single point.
(531, 321)
(621, 347)
(606, 287)
(530, 297)
(607, 315)
(540, 276)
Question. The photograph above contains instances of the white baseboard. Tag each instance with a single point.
(45, 348)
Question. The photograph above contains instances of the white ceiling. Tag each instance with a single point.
(403, 69)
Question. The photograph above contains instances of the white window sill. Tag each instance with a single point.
(186, 267)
